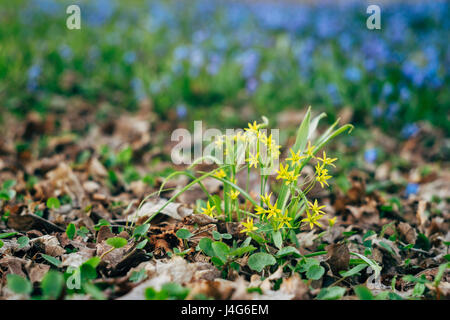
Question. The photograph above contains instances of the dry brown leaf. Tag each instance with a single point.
(338, 257)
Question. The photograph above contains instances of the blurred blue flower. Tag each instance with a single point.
(129, 57)
(371, 155)
(377, 111)
(411, 189)
(249, 61)
(98, 12)
(334, 94)
(352, 74)
(392, 111)
(138, 89)
(215, 63)
(65, 52)
(410, 130)
(252, 85)
(196, 58)
(181, 111)
(387, 89)
(33, 75)
(405, 94)
(181, 53)
(267, 76)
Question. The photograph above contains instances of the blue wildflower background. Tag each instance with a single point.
(197, 56)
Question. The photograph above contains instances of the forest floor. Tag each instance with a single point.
(70, 181)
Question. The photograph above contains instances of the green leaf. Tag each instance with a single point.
(19, 284)
(363, 293)
(52, 285)
(53, 203)
(258, 261)
(303, 133)
(440, 273)
(1, 243)
(418, 290)
(387, 247)
(257, 238)
(305, 264)
(221, 250)
(7, 235)
(184, 234)
(227, 236)
(217, 262)
(331, 293)
(88, 268)
(93, 291)
(315, 272)
(150, 294)
(175, 290)
(138, 276)
(93, 262)
(205, 245)
(56, 262)
(8, 184)
(142, 244)
(411, 278)
(376, 268)
(277, 239)
(71, 230)
(141, 230)
(216, 235)
(354, 270)
(116, 242)
(241, 251)
(7, 194)
(23, 241)
(286, 251)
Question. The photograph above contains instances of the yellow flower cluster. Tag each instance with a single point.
(317, 213)
(286, 175)
(273, 213)
(321, 172)
(209, 210)
(248, 226)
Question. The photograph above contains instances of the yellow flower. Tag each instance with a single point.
(249, 227)
(319, 169)
(234, 194)
(219, 141)
(273, 211)
(240, 137)
(268, 140)
(326, 160)
(315, 208)
(312, 219)
(253, 128)
(266, 198)
(253, 160)
(295, 157)
(208, 210)
(310, 150)
(260, 210)
(275, 150)
(322, 176)
(220, 174)
(283, 220)
(283, 172)
(291, 177)
(262, 137)
(331, 222)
